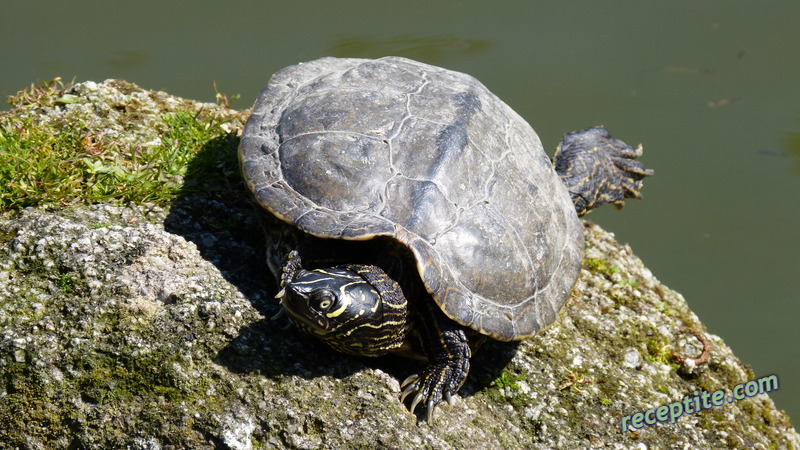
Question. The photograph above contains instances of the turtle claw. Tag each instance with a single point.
(415, 402)
(279, 314)
(409, 385)
(431, 388)
(409, 380)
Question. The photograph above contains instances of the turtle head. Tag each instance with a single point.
(343, 308)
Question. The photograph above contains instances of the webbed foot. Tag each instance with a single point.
(598, 169)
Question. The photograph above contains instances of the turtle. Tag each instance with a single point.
(409, 210)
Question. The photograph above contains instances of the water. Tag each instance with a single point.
(709, 87)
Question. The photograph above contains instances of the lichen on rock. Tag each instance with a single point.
(146, 325)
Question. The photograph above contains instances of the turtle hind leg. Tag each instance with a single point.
(598, 169)
(447, 349)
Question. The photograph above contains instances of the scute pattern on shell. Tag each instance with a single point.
(354, 148)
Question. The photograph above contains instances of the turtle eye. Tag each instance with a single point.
(323, 299)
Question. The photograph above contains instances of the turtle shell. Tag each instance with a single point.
(354, 148)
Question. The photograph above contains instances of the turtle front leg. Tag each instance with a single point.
(446, 346)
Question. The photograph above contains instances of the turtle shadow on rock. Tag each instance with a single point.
(488, 364)
(213, 211)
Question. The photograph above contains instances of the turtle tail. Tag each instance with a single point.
(598, 169)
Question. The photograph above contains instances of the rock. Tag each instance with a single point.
(146, 326)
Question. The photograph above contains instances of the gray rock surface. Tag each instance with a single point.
(147, 326)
